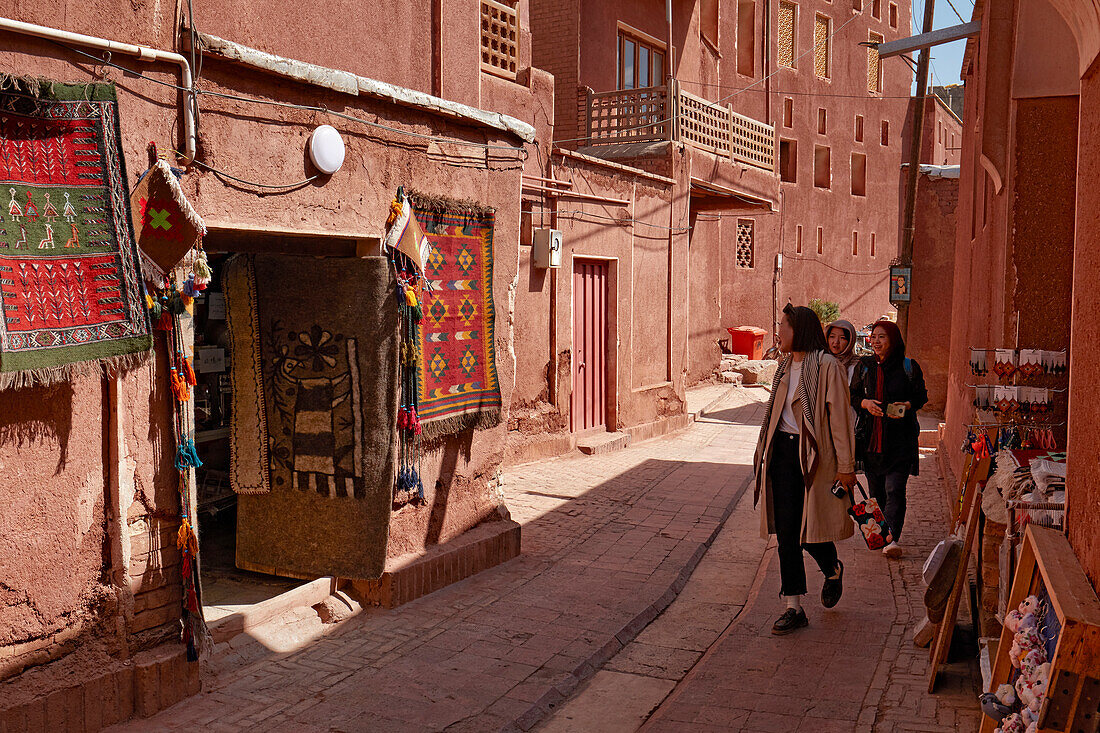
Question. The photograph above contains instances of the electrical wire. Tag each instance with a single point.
(835, 269)
(272, 186)
(956, 11)
(572, 214)
(756, 83)
(303, 107)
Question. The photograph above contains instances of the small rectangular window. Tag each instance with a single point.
(708, 23)
(859, 174)
(746, 254)
(859, 128)
(857, 5)
(822, 167)
(872, 244)
(893, 15)
(788, 32)
(855, 244)
(876, 9)
(798, 240)
(788, 161)
(885, 137)
(821, 121)
(746, 38)
(788, 112)
(822, 29)
(874, 64)
(820, 241)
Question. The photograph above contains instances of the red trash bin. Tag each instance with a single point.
(748, 341)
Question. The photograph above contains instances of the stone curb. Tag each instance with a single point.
(549, 701)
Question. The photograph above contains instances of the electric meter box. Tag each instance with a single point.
(546, 248)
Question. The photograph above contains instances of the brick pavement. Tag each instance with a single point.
(608, 541)
(853, 669)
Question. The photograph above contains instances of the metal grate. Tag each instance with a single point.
(821, 47)
(746, 250)
(874, 65)
(631, 115)
(703, 124)
(787, 21)
(499, 34)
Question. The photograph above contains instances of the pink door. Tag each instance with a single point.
(589, 345)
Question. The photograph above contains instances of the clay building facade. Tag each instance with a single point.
(1026, 219)
(810, 168)
(91, 500)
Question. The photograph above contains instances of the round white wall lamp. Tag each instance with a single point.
(326, 149)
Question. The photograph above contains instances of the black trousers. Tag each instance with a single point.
(889, 491)
(788, 498)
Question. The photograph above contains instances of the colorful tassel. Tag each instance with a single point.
(176, 306)
(186, 457)
(165, 321)
(188, 372)
(201, 271)
(179, 386)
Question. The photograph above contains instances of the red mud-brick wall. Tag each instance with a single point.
(1083, 475)
(555, 46)
(933, 283)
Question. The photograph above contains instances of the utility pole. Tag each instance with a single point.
(916, 131)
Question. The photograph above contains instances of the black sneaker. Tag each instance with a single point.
(791, 620)
(833, 588)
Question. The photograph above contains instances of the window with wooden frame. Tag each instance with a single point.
(820, 241)
(822, 118)
(798, 240)
(788, 32)
(709, 22)
(746, 247)
(872, 244)
(822, 29)
(876, 9)
(859, 128)
(641, 60)
(874, 64)
(855, 244)
(893, 15)
(884, 137)
(788, 112)
(499, 38)
(746, 37)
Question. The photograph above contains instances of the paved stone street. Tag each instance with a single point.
(571, 635)
(608, 541)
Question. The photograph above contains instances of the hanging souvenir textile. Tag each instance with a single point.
(978, 362)
(167, 227)
(1004, 363)
(404, 233)
(1031, 362)
(72, 297)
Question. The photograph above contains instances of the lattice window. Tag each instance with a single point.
(746, 249)
(821, 46)
(788, 17)
(874, 65)
(499, 39)
(703, 124)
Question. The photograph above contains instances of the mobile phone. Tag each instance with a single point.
(895, 410)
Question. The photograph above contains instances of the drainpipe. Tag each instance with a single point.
(143, 53)
(671, 53)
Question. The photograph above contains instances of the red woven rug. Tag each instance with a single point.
(69, 289)
(458, 385)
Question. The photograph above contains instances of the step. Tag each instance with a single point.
(601, 443)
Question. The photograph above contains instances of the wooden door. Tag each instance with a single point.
(589, 403)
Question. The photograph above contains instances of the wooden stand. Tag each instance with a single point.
(1073, 698)
(941, 643)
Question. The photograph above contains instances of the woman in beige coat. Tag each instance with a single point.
(805, 448)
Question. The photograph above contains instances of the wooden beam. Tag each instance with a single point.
(927, 40)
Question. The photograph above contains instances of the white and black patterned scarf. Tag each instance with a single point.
(807, 391)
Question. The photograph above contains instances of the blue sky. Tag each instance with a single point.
(946, 59)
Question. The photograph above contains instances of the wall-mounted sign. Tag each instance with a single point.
(901, 281)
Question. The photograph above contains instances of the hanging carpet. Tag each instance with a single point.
(314, 359)
(458, 387)
(69, 288)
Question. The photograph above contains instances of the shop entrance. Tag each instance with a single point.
(589, 401)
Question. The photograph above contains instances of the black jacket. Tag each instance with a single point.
(900, 437)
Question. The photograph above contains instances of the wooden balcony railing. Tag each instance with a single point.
(499, 39)
(652, 114)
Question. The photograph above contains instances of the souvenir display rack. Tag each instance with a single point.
(1069, 629)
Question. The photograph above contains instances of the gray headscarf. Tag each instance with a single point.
(848, 357)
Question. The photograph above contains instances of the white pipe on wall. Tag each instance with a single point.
(144, 53)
